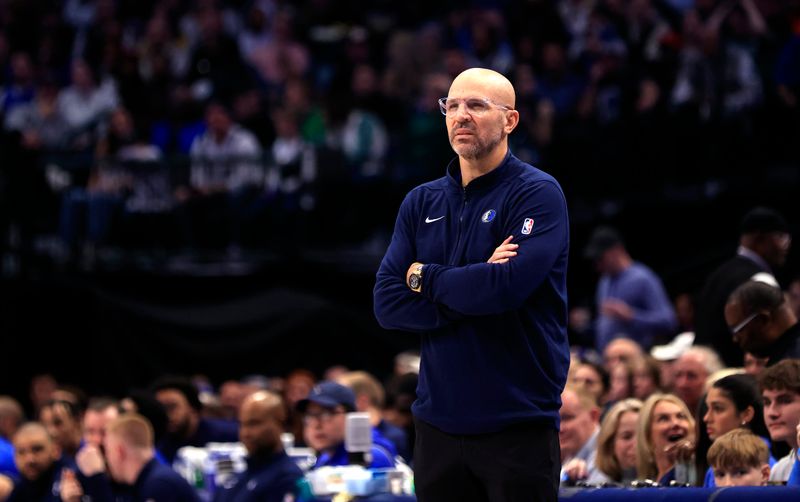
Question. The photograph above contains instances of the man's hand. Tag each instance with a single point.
(576, 469)
(411, 270)
(90, 460)
(681, 451)
(70, 490)
(504, 251)
(617, 309)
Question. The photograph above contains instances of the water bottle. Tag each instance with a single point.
(358, 438)
(686, 472)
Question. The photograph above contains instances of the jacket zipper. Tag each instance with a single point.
(460, 229)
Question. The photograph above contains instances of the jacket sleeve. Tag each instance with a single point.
(396, 306)
(489, 288)
(97, 487)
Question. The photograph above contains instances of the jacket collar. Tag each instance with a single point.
(481, 182)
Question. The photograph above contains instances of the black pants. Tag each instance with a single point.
(519, 463)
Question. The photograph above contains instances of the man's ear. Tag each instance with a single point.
(764, 474)
(362, 402)
(512, 120)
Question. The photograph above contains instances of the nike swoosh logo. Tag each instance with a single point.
(428, 220)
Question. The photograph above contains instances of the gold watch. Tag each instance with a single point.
(415, 279)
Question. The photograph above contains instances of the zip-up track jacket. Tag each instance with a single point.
(494, 336)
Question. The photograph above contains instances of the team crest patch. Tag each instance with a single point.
(488, 216)
(527, 226)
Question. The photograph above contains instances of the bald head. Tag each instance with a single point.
(34, 450)
(480, 116)
(261, 419)
(267, 403)
(484, 82)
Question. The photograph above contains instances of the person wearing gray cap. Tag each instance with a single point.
(631, 299)
(764, 243)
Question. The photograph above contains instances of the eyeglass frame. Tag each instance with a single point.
(443, 101)
(740, 326)
(323, 416)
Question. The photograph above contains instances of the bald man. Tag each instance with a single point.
(477, 265)
(271, 476)
(38, 460)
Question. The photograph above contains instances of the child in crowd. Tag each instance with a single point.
(739, 458)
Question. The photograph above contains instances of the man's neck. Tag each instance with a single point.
(474, 168)
(135, 468)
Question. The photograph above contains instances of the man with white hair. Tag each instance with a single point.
(691, 371)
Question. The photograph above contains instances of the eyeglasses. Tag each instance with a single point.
(736, 329)
(322, 416)
(475, 106)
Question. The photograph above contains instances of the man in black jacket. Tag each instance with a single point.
(762, 322)
(763, 245)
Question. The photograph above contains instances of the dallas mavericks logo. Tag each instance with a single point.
(488, 216)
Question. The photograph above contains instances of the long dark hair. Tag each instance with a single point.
(742, 390)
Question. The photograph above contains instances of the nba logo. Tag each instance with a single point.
(527, 226)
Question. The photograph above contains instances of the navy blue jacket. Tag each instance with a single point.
(45, 489)
(268, 479)
(156, 483)
(494, 339)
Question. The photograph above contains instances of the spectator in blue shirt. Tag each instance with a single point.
(370, 398)
(11, 417)
(631, 300)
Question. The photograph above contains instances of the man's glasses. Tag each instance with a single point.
(736, 329)
(475, 106)
(322, 416)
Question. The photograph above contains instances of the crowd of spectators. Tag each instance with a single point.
(241, 120)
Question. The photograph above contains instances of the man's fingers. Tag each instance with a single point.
(508, 239)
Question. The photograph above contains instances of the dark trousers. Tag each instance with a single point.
(519, 463)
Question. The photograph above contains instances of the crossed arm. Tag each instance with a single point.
(502, 254)
(502, 283)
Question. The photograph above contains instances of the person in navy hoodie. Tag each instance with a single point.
(40, 465)
(477, 265)
(126, 470)
(271, 476)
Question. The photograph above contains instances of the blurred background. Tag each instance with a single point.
(209, 186)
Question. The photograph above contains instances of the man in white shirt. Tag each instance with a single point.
(580, 425)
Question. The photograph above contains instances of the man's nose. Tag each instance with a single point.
(461, 112)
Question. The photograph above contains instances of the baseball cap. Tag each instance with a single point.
(763, 220)
(673, 349)
(603, 238)
(329, 395)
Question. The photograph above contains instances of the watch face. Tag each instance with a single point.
(414, 281)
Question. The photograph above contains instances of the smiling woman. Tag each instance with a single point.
(666, 429)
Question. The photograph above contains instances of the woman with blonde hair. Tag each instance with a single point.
(616, 442)
(665, 435)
